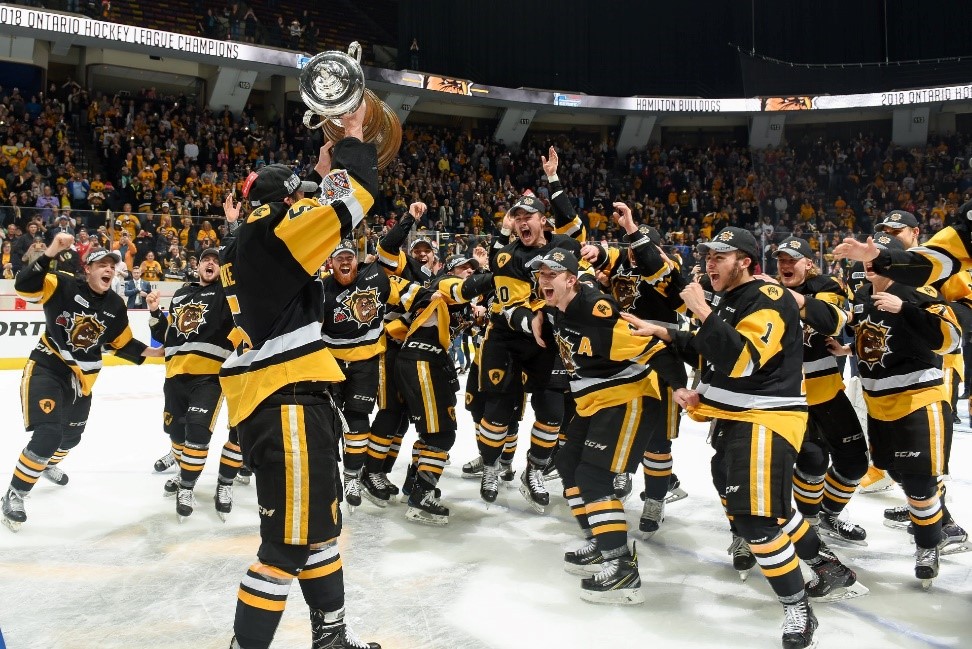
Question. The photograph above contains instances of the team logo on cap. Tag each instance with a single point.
(894, 217)
(558, 257)
(794, 244)
(872, 342)
(189, 318)
(883, 240)
(83, 330)
(725, 237)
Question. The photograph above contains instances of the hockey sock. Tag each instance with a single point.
(808, 491)
(606, 519)
(657, 469)
(509, 447)
(260, 604)
(491, 440)
(322, 579)
(778, 560)
(838, 491)
(192, 462)
(802, 535)
(28, 470)
(230, 461)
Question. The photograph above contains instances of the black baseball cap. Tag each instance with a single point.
(794, 247)
(885, 241)
(653, 235)
(454, 261)
(345, 246)
(101, 253)
(209, 251)
(557, 259)
(419, 240)
(732, 238)
(898, 219)
(274, 183)
(530, 204)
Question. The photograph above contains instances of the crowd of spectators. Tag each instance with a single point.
(167, 165)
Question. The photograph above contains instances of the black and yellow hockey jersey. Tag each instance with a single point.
(438, 324)
(270, 273)
(197, 331)
(899, 354)
(823, 316)
(606, 363)
(396, 261)
(649, 288)
(752, 343)
(79, 322)
(354, 316)
(945, 254)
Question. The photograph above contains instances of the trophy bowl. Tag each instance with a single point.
(332, 85)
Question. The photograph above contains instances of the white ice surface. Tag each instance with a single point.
(103, 563)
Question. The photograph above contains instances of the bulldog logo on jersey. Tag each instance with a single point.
(624, 288)
(46, 405)
(363, 305)
(496, 376)
(566, 354)
(871, 344)
(502, 259)
(84, 331)
(189, 318)
(808, 333)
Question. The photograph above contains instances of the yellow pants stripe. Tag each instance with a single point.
(760, 463)
(428, 396)
(24, 390)
(297, 472)
(936, 437)
(629, 428)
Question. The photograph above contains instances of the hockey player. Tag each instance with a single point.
(900, 334)
(615, 394)
(833, 457)
(428, 382)
(516, 347)
(196, 335)
(646, 283)
(82, 316)
(277, 384)
(752, 342)
(355, 299)
(903, 226)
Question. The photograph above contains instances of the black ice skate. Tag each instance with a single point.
(618, 582)
(352, 490)
(675, 491)
(392, 488)
(897, 517)
(328, 631)
(185, 501)
(473, 468)
(743, 559)
(244, 475)
(833, 581)
(926, 566)
(584, 561)
(533, 489)
(410, 484)
(622, 486)
(12, 507)
(55, 474)
(830, 525)
(489, 484)
(799, 623)
(171, 487)
(223, 500)
(425, 508)
(376, 489)
(954, 538)
(164, 462)
(652, 515)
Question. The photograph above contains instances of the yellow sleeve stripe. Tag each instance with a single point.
(122, 339)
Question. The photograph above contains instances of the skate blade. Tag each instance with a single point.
(675, 495)
(243, 480)
(582, 571)
(857, 589)
(425, 518)
(13, 526)
(525, 492)
(622, 596)
(954, 548)
(472, 476)
(375, 499)
(743, 575)
(166, 494)
(840, 539)
(222, 515)
(553, 475)
(647, 535)
(350, 508)
(926, 584)
(877, 487)
(895, 525)
(182, 519)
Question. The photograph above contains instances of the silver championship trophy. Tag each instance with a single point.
(332, 85)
